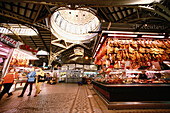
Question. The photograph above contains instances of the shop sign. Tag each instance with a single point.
(150, 27)
(8, 40)
(28, 48)
(140, 27)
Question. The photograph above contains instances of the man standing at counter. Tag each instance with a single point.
(142, 75)
(31, 80)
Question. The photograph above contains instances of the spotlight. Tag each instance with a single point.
(86, 57)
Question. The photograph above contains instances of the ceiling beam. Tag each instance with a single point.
(18, 8)
(38, 13)
(33, 41)
(11, 4)
(128, 16)
(121, 12)
(96, 2)
(105, 14)
(43, 18)
(163, 8)
(32, 10)
(45, 46)
(26, 7)
(48, 9)
(116, 13)
(155, 11)
(125, 8)
(20, 18)
(111, 14)
(13, 31)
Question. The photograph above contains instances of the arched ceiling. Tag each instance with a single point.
(36, 13)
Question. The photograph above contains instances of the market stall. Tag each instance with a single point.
(7, 46)
(125, 58)
(21, 60)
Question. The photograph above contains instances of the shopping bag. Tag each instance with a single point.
(12, 89)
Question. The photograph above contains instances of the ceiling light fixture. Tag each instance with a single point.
(122, 35)
(102, 39)
(147, 36)
(94, 55)
(127, 32)
(86, 57)
(98, 47)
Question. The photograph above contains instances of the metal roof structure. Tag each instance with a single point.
(113, 14)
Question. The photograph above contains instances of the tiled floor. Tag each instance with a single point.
(62, 98)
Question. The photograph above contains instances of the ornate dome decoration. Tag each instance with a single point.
(73, 25)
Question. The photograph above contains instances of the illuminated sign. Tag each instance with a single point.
(8, 40)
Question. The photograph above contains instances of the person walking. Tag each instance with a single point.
(8, 81)
(30, 81)
(39, 79)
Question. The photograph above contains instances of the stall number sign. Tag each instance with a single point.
(8, 40)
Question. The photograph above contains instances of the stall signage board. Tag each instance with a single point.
(8, 40)
(28, 48)
(139, 27)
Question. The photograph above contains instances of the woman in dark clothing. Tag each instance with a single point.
(142, 75)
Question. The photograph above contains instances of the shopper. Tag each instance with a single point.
(143, 75)
(39, 79)
(30, 81)
(8, 81)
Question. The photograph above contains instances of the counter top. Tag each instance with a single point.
(134, 85)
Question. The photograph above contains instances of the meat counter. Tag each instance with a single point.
(127, 96)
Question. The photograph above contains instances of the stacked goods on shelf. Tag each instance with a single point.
(19, 60)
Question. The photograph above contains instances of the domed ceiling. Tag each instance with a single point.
(73, 25)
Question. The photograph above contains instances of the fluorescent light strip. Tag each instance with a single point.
(98, 47)
(122, 35)
(118, 32)
(94, 55)
(152, 36)
(102, 39)
(2, 53)
(130, 32)
(4, 50)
